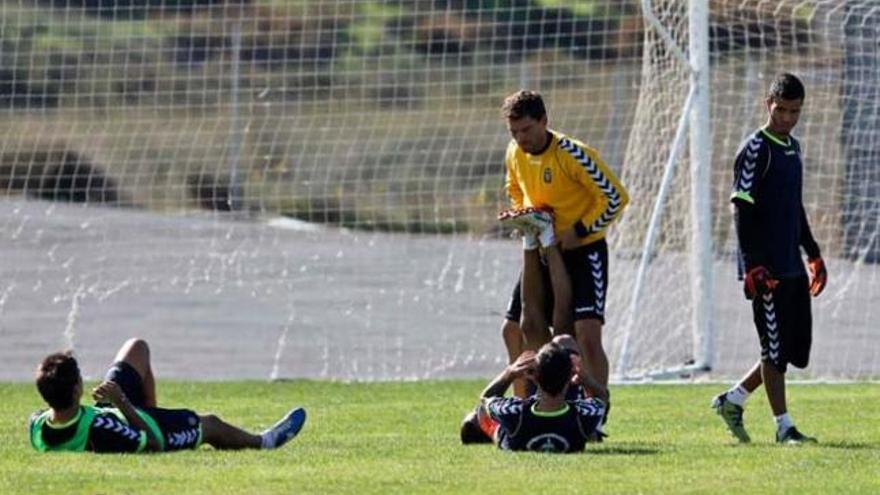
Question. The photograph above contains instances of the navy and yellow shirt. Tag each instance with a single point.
(767, 191)
(570, 178)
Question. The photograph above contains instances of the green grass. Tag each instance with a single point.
(402, 438)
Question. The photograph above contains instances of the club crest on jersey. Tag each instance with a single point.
(548, 176)
(548, 442)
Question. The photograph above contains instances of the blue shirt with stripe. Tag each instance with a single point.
(768, 176)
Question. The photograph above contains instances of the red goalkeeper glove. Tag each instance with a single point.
(818, 275)
(758, 282)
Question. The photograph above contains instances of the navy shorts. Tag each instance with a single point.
(588, 269)
(129, 380)
(181, 428)
(784, 323)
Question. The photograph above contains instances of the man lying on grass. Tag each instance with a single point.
(546, 421)
(133, 423)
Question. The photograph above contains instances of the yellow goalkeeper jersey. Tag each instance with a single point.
(570, 178)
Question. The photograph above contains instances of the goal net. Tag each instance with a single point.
(307, 188)
(832, 46)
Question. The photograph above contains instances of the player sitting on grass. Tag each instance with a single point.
(133, 423)
(547, 421)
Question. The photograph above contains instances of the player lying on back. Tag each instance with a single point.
(547, 421)
(132, 423)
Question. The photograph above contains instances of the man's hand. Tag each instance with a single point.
(523, 366)
(758, 282)
(818, 275)
(109, 392)
(569, 239)
(576, 365)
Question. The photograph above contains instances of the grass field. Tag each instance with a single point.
(402, 438)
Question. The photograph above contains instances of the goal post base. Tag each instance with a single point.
(684, 372)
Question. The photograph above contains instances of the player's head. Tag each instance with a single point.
(784, 101)
(526, 119)
(553, 368)
(59, 380)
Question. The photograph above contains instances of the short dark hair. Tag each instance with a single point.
(786, 86)
(524, 103)
(57, 378)
(553, 370)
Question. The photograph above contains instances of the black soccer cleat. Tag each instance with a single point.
(792, 436)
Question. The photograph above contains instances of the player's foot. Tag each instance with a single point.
(598, 435)
(732, 415)
(289, 426)
(792, 436)
(471, 431)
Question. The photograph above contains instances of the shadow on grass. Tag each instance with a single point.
(849, 445)
(623, 450)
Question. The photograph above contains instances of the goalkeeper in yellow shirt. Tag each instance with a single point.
(547, 169)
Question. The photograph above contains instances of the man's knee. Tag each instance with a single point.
(136, 352)
(138, 346)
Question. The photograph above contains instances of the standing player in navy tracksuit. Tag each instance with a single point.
(772, 228)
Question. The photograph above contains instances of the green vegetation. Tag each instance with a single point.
(402, 438)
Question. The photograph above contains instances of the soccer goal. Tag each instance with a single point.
(308, 188)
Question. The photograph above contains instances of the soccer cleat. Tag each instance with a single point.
(732, 415)
(284, 430)
(530, 241)
(531, 221)
(596, 436)
(792, 436)
(547, 236)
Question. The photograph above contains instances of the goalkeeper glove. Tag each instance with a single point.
(758, 282)
(533, 223)
(818, 275)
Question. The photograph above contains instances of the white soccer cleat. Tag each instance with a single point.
(536, 225)
(547, 237)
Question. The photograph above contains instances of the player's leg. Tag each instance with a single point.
(562, 291)
(131, 370)
(534, 326)
(730, 405)
(588, 269)
(515, 345)
(222, 435)
(588, 333)
(794, 318)
(512, 336)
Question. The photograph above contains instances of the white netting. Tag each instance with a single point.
(832, 46)
(359, 147)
